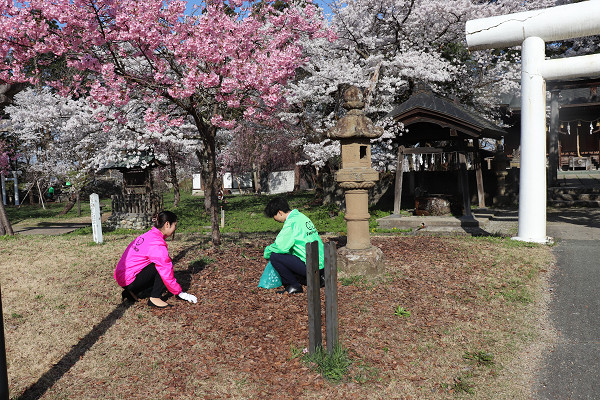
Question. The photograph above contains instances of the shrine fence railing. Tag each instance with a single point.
(149, 203)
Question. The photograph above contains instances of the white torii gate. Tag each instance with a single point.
(531, 30)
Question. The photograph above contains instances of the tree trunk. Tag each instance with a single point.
(5, 226)
(202, 159)
(213, 185)
(256, 176)
(174, 181)
(208, 160)
(296, 173)
(78, 200)
(70, 203)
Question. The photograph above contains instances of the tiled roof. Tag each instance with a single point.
(426, 100)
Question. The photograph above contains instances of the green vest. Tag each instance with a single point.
(297, 230)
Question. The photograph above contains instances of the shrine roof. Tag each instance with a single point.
(135, 161)
(424, 106)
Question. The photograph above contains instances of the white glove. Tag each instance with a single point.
(188, 297)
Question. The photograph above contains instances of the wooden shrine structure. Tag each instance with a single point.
(138, 201)
(573, 137)
(441, 135)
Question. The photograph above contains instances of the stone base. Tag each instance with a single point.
(367, 262)
(129, 221)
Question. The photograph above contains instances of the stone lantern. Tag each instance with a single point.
(356, 177)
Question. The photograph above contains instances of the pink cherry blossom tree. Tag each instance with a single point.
(227, 62)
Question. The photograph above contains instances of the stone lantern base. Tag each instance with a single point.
(366, 262)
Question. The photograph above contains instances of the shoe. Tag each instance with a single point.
(291, 289)
(126, 295)
(151, 304)
(322, 279)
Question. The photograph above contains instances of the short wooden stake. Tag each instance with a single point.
(313, 287)
(331, 301)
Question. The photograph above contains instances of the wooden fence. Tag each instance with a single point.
(313, 281)
(149, 203)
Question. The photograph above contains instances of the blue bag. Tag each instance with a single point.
(270, 279)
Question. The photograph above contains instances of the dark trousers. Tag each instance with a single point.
(147, 280)
(291, 269)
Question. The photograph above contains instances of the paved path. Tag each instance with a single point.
(571, 369)
(48, 228)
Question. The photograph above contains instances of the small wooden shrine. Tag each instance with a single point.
(138, 201)
(441, 137)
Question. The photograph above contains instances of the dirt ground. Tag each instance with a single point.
(68, 336)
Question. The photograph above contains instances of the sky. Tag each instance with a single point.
(321, 3)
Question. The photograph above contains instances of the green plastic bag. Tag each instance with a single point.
(270, 279)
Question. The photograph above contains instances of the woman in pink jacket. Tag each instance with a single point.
(146, 265)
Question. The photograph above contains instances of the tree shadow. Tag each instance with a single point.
(589, 217)
(184, 277)
(54, 374)
(67, 362)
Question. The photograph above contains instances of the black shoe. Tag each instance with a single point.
(322, 279)
(151, 304)
(291, 289)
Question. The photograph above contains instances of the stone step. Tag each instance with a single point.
(430, 222)
(574, 203)
(574, 197)
(574, 190)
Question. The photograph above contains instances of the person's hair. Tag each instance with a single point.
(163, 217)
(275, 205)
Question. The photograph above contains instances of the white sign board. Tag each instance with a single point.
(237, 181)
(197, 182)
(96, 217)
(281, 182)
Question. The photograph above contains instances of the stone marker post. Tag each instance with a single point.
(354, 130)
(96, 217)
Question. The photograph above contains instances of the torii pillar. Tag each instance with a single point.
(531, 30)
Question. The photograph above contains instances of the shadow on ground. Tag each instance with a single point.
(54, 374)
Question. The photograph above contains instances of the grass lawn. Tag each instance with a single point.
(453, 317)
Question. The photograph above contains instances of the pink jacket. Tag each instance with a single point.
(145, 249)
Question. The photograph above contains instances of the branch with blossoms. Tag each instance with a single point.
(228, 63)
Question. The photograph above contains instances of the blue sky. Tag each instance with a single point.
(321, 3)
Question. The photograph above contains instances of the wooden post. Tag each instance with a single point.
(553, 140)
(331, 303)
(479, 178)
(3, 368)
(463, 179)
(41, 195)
(16, 187)
(313, 284)
(399, 176)
(78, 205)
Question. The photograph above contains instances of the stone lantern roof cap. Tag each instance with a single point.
(355, 124)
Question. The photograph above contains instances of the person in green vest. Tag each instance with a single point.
(51, 193)
(288, 253)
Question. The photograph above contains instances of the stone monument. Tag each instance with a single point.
(96, 217)
(354, 131)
